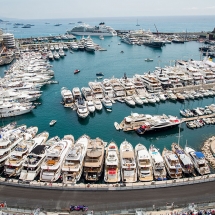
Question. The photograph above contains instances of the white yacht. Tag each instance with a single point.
(13, 165)
(56, 55)
(91, 106)
(158, 166)
(107, 88)
(85, 29)
(52, 164)
(128, 85)
(144, 166)
(129, 101)
(184, 159)
(137, 99)
(89, 46)
(112, 164)
(67, 96)
(97, 104)
(128, 164)
(96, 90)
(61, 53)
(74, 46)
(76, 93)
(118, 88)
(82, 109)
(31, 164)
(73, 163)
(94, 159)
(106, 102)
(172, 164)
(151, 83)
(9, 109)
(30, 133)
(198, 160)
(87, 93)
(8, 142)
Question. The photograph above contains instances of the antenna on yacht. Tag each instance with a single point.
(179, 134)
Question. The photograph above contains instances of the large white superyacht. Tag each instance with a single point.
(7, 145)
(144, 166)
(52, 164)
(112, 164)
(32, 163)
(118, 88)
(67, 96)
(158, 166)
(73, 163)
(128, 163)
(96, 89)
(85, 29)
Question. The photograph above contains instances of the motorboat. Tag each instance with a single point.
(74, 46)
(82, 109)
(198, 160)
(112, 164)
(144, 166)
(94, 159)
(128, 163)
(129, 101)
(52, 164)
(148, 60)
(73, 163)
(61, 52)
(77, 71)
(137, 99)
(56, 55)
(172, 164)
(106, 103)
(184, 159)
(97, 104)
(158, 165)
(52, 122)
(91, 106)
(30, 133)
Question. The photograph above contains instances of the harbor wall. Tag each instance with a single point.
(112, 187)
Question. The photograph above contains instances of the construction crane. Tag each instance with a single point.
(156, 29)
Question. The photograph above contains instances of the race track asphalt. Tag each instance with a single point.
(106, 200)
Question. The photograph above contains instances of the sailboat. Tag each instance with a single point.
(137, 23)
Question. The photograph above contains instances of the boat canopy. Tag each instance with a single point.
(199, 155)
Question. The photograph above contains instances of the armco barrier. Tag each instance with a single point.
(129, 186)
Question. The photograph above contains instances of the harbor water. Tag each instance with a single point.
(114, 63)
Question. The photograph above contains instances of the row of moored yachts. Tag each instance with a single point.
(21, 84)
(26, 155)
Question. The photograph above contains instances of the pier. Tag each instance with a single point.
(197, 117)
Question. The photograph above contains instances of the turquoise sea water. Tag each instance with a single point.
(112, 63)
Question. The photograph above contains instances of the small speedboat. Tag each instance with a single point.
(76, 71)
(99, 74)
(148, 60)
(52, 122)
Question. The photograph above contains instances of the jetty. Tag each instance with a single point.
(197, 117)
(208, 150)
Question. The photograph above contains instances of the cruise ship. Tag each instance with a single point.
(85, 29)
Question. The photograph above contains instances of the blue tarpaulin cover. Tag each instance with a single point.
(199, 155)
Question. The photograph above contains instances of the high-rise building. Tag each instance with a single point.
(8, 40)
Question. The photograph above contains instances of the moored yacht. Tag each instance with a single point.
(94, 159)
(144, 166)
(97, 104)
(82, 109)
(198, 160)
(67, 96)
(172, 164)
(8, 142)
(96, 90)
(112, 164)
(52, 164)
(31, 164)
(87, 93)
(184, 159)
(128, 164)
(158, 166)
(73, 163)
(106, 102)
